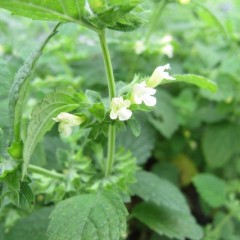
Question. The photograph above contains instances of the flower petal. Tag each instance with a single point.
(113, 115)
(65, 129)
(150, 101)
(137, 99)
(124, 114)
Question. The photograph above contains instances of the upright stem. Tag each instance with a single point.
(156, 15)
(112, 94)
(154, 20)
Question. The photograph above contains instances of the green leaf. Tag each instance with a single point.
(142, 146)
(15, 150)
(164, 117)
(165, 221)
(93, 96)
(42, 120)
(98, 111)
(123, 176)
(5, 79)
(19, 89)
(215, 18)
(219, 144)
(134, 126)
(199, 81)
(117, 14)
(2, 235)
(88, 216)
(26, 197)
(6, 166)
(54, 10)
(32, 227)
(211, 189)
(159, 191)
(94, 14)
(1, 140)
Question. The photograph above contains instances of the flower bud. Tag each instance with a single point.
(159, 75)
(66, 122)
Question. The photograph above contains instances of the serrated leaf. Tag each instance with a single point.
(199, 81)
(32, 227)
(118, 15)
(46, 10)
(159, 191)
(219, 144)
(98, 111)
(88, 216)
(42, 120)
(211, 189)
(165, 221)
(19, 88)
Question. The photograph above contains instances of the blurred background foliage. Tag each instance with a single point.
(193, 136)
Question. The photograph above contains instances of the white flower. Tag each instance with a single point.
(142, 93)
(66, 122)
(166, 39)
(158, 75)
(168, 50)
(184, 1)
(119, 109)
(1, 50)
(139, 47)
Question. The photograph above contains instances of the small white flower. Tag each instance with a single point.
(139, 47)
(168, 50)
(1, 50)
(184, 1)
(66, 122)
(119, 109)
(142, 93)
(166, 39)
(158, 75)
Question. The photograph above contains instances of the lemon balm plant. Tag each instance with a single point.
(99, 178)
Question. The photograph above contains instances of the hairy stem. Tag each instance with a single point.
(45, 172)
(112, 93)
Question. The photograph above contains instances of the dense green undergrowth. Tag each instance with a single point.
(161, 162)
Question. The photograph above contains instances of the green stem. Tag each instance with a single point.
(108, 65)
(156, 15)
(112, 93)
(45, 172)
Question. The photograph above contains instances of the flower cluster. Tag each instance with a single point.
(141, 93)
